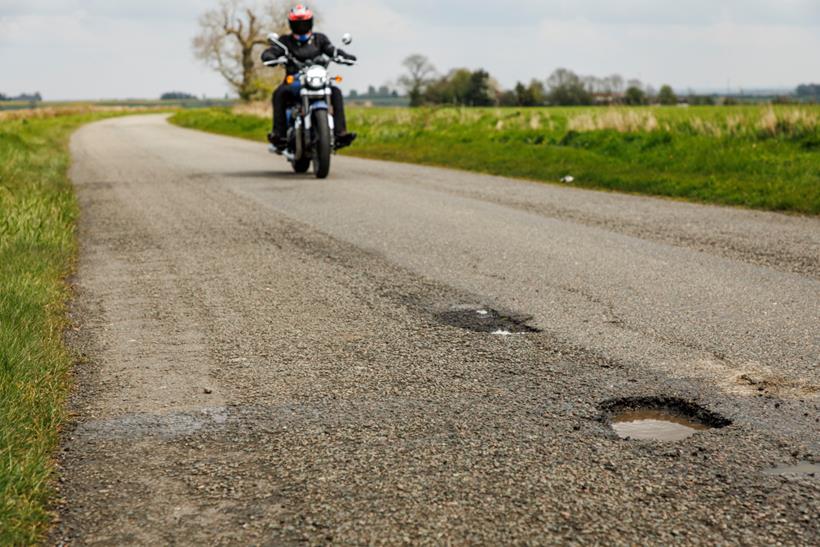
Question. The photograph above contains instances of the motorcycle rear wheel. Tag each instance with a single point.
(321, 158)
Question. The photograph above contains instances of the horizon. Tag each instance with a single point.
(752, 91)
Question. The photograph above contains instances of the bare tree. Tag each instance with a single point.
(595, 84)
(616, 84)
(231, 40)
(567, 89)
(563, 77)
(420, 72)
(634, 82)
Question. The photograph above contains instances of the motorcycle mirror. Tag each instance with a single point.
(347, 39)
(273, 38)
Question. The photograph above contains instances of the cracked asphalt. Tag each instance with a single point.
(263, 357)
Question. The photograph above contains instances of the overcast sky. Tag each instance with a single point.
(90, 49)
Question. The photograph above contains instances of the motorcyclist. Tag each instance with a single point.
(304, 45)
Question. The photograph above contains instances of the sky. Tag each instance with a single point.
(95, 49)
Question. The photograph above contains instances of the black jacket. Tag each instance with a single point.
(317, 45)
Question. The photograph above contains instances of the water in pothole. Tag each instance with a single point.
(659, 418)
(486, 320)
(656, 425)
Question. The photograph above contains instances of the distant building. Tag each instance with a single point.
(607, 98)
(383, 96)
(32, 98)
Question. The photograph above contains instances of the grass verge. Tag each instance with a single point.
(756, 156)
(38, 211)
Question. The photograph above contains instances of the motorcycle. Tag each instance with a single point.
(311, 135)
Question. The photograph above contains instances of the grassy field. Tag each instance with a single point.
(753, 156)
(37, 249)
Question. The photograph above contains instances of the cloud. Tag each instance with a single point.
(82, 56)
(382, 38)
(53, 31)
(158, 10)
(656, 12)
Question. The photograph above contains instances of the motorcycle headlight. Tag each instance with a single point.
(316, 77)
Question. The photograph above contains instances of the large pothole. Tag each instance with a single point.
(486, 320)
(659, 418)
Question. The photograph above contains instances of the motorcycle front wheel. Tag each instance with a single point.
(321, 158)
(301, 165)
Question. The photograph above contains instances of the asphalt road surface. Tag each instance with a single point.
(269, 359)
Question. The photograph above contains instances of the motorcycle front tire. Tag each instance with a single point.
(321, 157)
(301, 165)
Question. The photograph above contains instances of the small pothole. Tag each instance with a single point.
(659, 418)
(487, 320)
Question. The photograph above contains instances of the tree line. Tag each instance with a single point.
(178, 96)
(424, 85)
(27, 97)
(561, 88)
(809, 92)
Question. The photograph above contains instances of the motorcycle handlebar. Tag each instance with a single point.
(301, 64)
(276, 62)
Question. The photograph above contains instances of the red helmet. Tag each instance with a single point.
(301, 21)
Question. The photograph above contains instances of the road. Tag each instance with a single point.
(268, 358)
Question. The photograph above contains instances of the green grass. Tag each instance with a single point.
(223, 122)
(752, 156)
(37, 249)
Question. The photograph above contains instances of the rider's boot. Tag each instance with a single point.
(279, 142)
(343, 140)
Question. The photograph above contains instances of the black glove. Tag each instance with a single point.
(272, 54)
(344, 54)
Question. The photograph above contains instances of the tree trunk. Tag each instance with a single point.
(246, 91)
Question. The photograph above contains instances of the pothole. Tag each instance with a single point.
(659, 419)
(487, 320)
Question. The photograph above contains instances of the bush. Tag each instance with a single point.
(178, 96)
(667, 96)
(635, 96)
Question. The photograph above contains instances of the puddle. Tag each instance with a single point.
(487, 320)
(802, 468)
(659, 419)
(654, 425)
